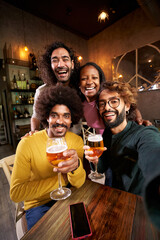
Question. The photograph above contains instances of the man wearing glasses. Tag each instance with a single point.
(133, 151)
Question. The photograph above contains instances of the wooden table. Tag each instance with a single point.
(113, 215)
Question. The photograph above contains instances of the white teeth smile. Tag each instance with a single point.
(59, 128)
(108, 115)
(90, 88)
(62, 72)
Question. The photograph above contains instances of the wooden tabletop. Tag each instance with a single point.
(113, 215)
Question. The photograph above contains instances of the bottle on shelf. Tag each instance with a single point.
(33, 61)
(20, 98)
(24, 82)
(19, 82)
(3, 71)
(27, 85)
(32, 99)
(15, 82)
(37, 73)
(11, 84)
(17, 99)
(26, 113)
(15, 113)
(19, 114)
(24, 99)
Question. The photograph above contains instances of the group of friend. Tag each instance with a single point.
(69, 94)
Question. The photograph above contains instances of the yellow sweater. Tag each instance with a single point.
(33, 178)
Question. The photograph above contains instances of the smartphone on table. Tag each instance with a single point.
(80, 226)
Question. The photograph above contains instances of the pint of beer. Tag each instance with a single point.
(96, 145)
(55, 154)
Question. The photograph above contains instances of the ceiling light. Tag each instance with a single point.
(102, 16)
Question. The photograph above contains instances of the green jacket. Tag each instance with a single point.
(134, 158)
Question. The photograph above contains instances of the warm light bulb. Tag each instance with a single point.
(23, 54)
(26, 49)
(80, 58)
(102, 16)
(120, 76)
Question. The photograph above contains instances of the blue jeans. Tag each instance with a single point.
(34, 214)
(108, 177)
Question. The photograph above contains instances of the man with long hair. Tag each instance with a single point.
(57, 64)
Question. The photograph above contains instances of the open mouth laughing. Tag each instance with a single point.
(62, 73)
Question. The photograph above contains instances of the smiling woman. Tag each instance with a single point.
(90, 78)
(89, 82)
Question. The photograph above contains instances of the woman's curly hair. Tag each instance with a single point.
(101, 76)
(125, 91)
(44, 64)
(61, 95)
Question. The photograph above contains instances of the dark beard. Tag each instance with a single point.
(119, 119)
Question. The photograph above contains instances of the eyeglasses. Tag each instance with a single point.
(113, 103)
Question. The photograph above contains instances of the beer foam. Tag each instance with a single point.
(95, 138)
(56, 149)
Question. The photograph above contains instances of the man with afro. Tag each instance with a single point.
(33, 177)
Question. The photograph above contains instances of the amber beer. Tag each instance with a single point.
(96, 145)
(55, 154)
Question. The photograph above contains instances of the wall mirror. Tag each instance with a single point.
(140, 67)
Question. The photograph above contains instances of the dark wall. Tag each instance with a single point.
(149, 104)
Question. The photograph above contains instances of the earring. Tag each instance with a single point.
(127, 112)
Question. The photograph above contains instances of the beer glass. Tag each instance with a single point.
(95, 141)
(54, 150)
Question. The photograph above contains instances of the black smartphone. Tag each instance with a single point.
(80, 226)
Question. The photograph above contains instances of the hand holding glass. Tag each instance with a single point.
(54, 150)
(95, 141)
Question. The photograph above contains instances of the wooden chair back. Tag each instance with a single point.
(7, 165)
(21, 227)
